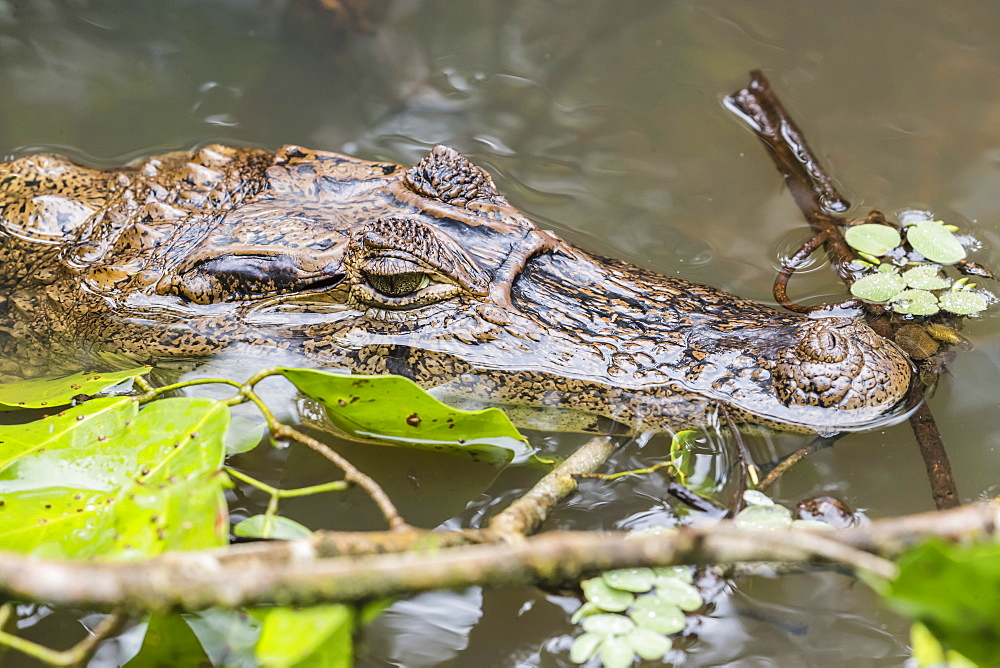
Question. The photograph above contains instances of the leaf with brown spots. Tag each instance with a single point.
(60, 390)
(396, 411)
(113, 484)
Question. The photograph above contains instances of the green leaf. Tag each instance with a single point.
(929, 653)
(656, 614)
(104, 479)
(685, 596)
(963, 303)
(271, 526)
(169, 641)
(630, 579)
(607, 624)
(754, 497)
(227, 636)
(878, 287)
(925, 277)
(395, 410)
(955, 591)
(915, 302)
(244, 434)
(649, 644)
(319, 636)
(760, 518)
(584, 647)
(585, 610)
(606, 597)
(616, 652)
(60, 390)
(682, 454)
(872, 239)
(931, 239)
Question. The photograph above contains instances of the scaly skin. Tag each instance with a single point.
(426, 272)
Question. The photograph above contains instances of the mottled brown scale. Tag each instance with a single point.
(426, 272)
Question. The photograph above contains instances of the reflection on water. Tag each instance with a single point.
(601, 121)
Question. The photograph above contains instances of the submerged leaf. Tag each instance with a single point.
(317, 636)
(60, 390)
(878, 287)
(872, 239)
(271, 526)
(931, 239)
(395, 410)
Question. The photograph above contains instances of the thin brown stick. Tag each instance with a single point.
(943, 488)
(525, 515)
(195, 580)
(818, 199)
(351, 474)
(782, 467)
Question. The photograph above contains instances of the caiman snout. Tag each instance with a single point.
(841, 363)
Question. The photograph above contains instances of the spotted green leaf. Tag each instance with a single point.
(931, 239)
(915, 302)
(878, 287)
(396, 411)
(105, 479)
(271, 526)
(60, 390)
(630, 579)
(606, 597)
(963, 303)
(872, 239)
(656, 614)
(649, 644)
(925, 277)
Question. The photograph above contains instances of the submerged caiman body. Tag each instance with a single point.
(426, 272)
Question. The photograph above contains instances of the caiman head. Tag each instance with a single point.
(425, 271)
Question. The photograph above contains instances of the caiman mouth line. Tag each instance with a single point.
(374, 267)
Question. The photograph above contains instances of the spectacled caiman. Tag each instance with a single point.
(425, 271)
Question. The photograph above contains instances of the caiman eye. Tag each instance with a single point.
(239, 277)
(398, 285)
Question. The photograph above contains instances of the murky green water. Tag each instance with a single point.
(602, 121)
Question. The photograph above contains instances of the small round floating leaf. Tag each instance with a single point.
(656, 614)
(606, 597)
(754, 497)
(915, 302)
(963, 303)
(763, 517)
(878, 287)
(683, 595)
(630, 579)
(887, 268)
(925, 277)
(682, 573)
(608, 624)
(872, 239)
(616, 653)
(585, 610)
(584, 647)
(649, 644)
(934, 242)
